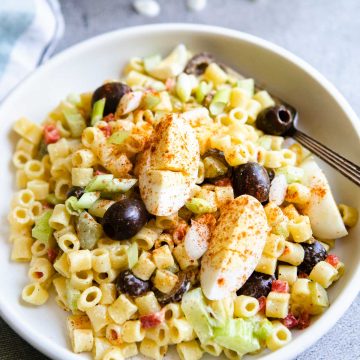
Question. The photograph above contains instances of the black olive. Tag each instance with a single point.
(314, 253)
(252, 179)
(275, 120)
(112, 92)
(77, 191)
(124, 219)
(128, 283)
(176, 294)
(198, 63)
(257, 285)
(271, 174)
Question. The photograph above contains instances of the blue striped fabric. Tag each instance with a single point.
(29, 31)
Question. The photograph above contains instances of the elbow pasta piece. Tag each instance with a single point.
(36, 209)
(266, 264)
(21, 249)
(61, 265)
(20, 159)
(39, 248)
(98, 316)
(62, 187)
(189, 350)
(83, 158)
(113, 334)
(232, 355)
(253, 107)
(79, 260)
(89, 298)
(300, 229)
(274, 246)
(81, 176)
(215, 74)
(108, 291)
(165, 281)
(264, 98)
(245, 306)
(349, 215)
(109, 244)
(167, 222)
(237, 155)
(122, 309)
(288, 157)
(180, 330)
(144, 267)
(28, 130)
(118, 257)
(237, 116)
(146, 237)
(147, 304)
(287, 273)
(129, 350)
(34, 169)
(101, 260)
(20, 217)
(40, 270)
(212, 348)
(113, 353)
(162, 257)
(298, 194)
(293, 253)
(81, 280)
(99, 348)
(173, 311)
(152, 350)
(277, 305)
(68, 242)
(106, 276)
(238, 98)
(21, 179)
(182, 257)
(132, 331)
(290, 212)
(34, 294)
(26, 146)
(324, 274)
(60, 218)
(279, 337)
(82, 340)
(58, 150)
(273, 159)
(59, 283)
(160, 334)
(40, 188)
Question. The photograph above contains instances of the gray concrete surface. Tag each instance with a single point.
(325, 33)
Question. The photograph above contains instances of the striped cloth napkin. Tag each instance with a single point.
(29, 32)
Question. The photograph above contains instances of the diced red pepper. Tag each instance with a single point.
(280, 286)
(333, 260)
(106, 129)
(262, 304)
(51, 134)
(303, 320)
(109, 117)
(152, 320)
(303, 275)
(52, 254)
(223, 182)
(179, 233)
(290, 321)
(99, 172)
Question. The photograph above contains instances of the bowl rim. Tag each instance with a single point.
(343, 300)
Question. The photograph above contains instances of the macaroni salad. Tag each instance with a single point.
(171, 207)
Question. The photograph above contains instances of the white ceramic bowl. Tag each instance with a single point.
(324, 114)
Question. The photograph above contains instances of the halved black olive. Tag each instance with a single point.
(176, 294)
(257, 285)
(216, 167)
(76, 191)
(198, 63)
(128, 283)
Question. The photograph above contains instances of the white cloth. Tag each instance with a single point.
(29, 32)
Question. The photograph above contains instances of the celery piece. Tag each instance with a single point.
(197, 314)
(248, 85)
(118, 137)
(98, 111)
(292, 173)
(71, 205)
(89, 230)
(219, 101)
(132, 254)
(87, 199)
(72, 296)
(202, 90)
(214, 167)
(52, 199)
(150, 100)
(263, 329)
(199, 206)
(74, 120)
(99, 182)
(99, 207)
(150, 62)
(237, 335)
(42, 230)
(120, 185)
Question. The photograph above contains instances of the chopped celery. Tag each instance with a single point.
(199, 206)
(118, 137)
(132, 254)
(71, 205)
(107, 183)
(248, 85)
(263, 329)
(222, 310)
(237, 335)
(42, 230)
(219, 101)
(99, 207)
(292, 173)
(52, 199)
(202, 90)
(98, 111)
(89, 230)
(150, 100)
(150, 62)
(197, 314)
(74, 120)
(214, 167)
(87, 199)
(72, 296)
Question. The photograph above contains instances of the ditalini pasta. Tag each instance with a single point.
(166, 209)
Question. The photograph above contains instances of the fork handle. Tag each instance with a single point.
(338, 162)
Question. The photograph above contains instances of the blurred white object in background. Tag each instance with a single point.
(196, 5)
(149, 8)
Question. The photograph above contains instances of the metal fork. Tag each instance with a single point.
(338, 162)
